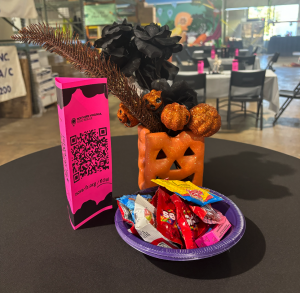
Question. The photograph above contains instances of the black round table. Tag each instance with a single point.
(40, 252)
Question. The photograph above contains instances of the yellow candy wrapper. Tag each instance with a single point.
(189, 191)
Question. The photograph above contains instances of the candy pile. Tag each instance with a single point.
(178, 216)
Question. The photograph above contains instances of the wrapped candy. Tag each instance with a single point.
(208, 214)
(189, 191)
(129, 202)
(191, 227)
(205, 120)
(126, 216)
(166, 217)
(145, 224)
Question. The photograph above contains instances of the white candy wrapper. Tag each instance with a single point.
(144, 220)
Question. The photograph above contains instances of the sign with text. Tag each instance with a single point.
(11, 79)
(100, 14)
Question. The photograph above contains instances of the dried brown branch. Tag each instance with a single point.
(90, 61)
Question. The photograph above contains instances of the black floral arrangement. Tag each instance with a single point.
(134, 59)
(140, 51)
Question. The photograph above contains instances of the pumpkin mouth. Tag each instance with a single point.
(189, 178)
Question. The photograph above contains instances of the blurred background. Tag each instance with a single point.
(268, 30)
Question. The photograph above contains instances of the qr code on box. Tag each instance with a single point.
(89, 153)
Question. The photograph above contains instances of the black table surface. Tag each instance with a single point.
(40, 252)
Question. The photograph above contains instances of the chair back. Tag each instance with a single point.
(196, 82)
(254, 51)
(177, 59)
(245, 61)
(297, 90)
(272, 61)
(205, 61)
(248, 80)
(275, 57)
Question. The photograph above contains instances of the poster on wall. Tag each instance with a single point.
(100, 14)
(11, 79)
(197, 24)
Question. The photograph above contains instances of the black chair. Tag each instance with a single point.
(194, 65)
(247, 80)
(195, 60)
(197, 82)
(245, 61)
(254, 51)
(290, 95)
(272, 61)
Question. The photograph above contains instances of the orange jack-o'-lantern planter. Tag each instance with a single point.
(162, 156)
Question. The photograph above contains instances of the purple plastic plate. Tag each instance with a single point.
(235, 233)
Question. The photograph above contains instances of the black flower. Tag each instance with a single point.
(116, 44)
(155, 41)
(179, 92)
(151, 70)
(115, 36)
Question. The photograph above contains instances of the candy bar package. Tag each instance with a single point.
(189, 191)
(190, 226)
(144, 213)
(83, 114)
(166, 222)
(214, 235)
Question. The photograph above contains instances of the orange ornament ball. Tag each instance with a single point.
(205, 120)
(175, 116)
(126, 117)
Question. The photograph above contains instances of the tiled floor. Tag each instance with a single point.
(19, 137)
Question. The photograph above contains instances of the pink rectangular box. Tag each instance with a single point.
(213, 236)
(83, 114)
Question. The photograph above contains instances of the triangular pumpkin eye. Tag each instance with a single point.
(161, 155)
(175, 166)
(189, 152)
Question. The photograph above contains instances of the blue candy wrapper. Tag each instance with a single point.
(129, 202)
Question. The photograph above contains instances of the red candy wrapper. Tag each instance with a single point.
(126, 216)
(154, 199)
(166, 217)
(189, 224)
(208, 214)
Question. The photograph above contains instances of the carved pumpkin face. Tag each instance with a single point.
(153, 100)
(125, 117)
(162, 156)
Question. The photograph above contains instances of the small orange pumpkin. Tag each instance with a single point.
(153, 100)
(175, 116)
(205, 120)
(125, 116)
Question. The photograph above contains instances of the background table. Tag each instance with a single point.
(284, 45)
(217, 86)
(228, 61)
(40, 252)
